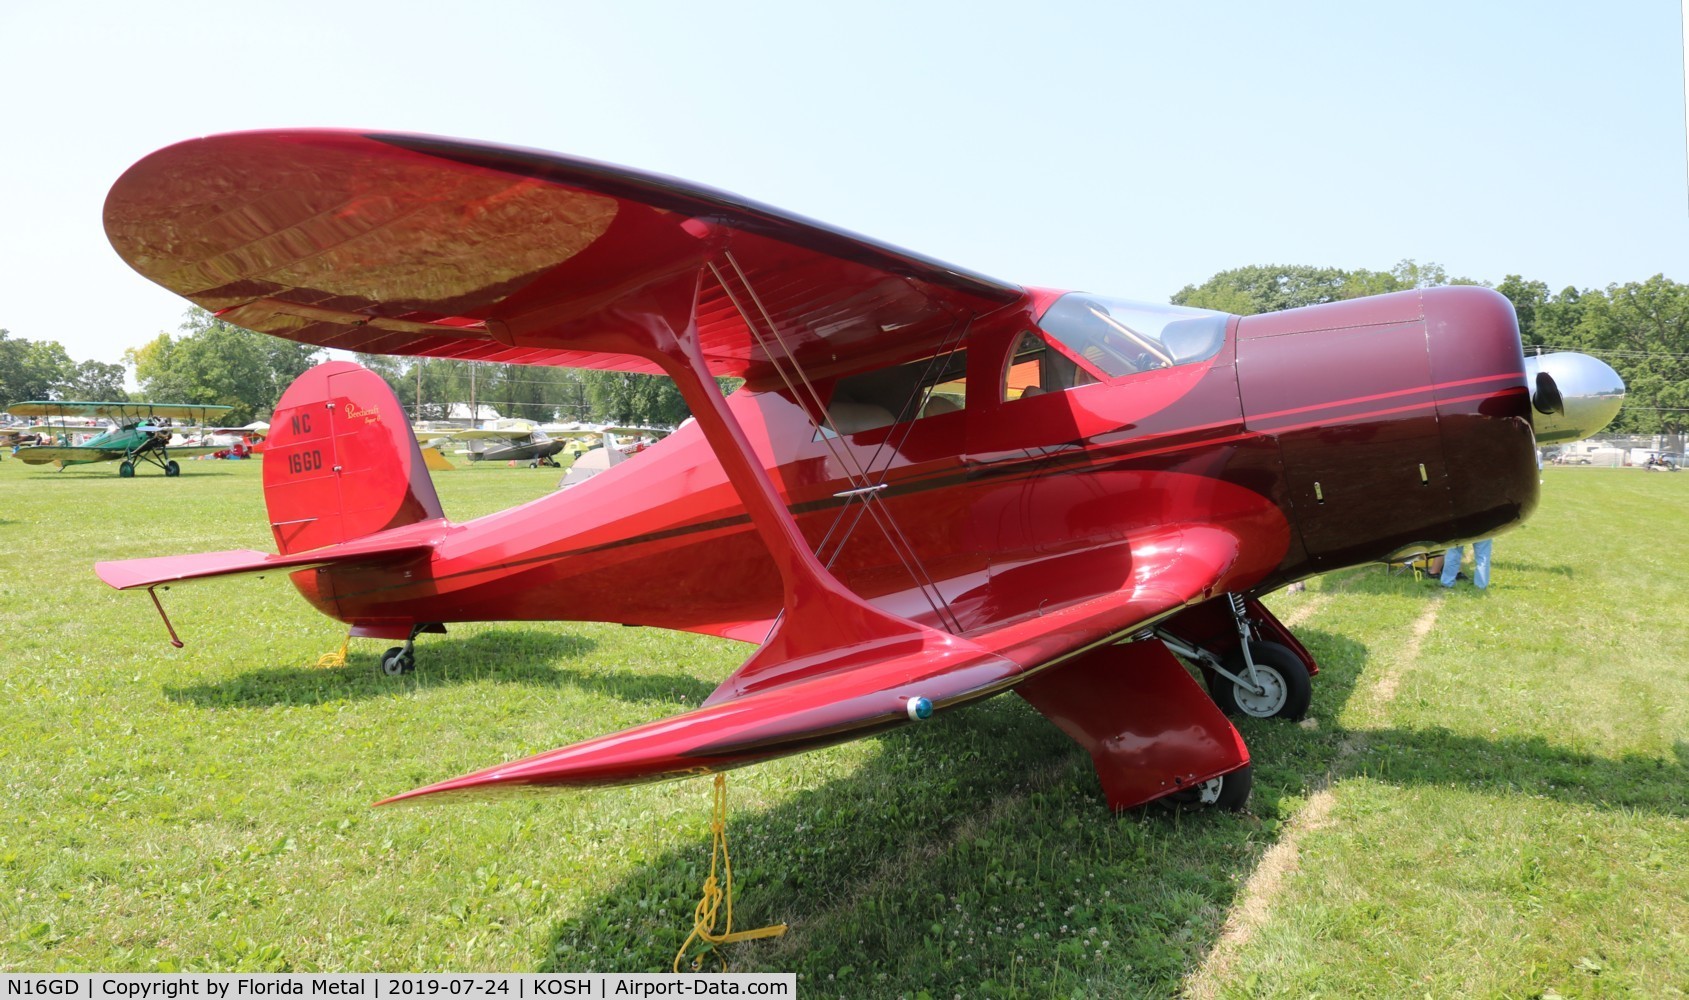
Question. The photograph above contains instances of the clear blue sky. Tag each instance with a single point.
(1120, 148)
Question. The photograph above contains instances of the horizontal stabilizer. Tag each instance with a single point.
(128, 574)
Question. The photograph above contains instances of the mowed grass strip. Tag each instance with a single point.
(1518, 822)
(208, 808)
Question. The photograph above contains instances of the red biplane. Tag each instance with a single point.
(932, 488)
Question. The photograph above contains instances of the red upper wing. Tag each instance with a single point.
(403, 244)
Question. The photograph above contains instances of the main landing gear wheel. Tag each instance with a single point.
(1229, 792)
(398, 661)
(172, 469)
(126, 470)
(1285, 691)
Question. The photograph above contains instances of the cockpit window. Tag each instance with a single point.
(1122, 338)
(1035, 368)
(912, 391)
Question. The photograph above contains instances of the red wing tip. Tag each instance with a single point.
(473, 785)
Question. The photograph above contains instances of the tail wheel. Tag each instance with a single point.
(126, 469)
(172, 469)
(1228, 792)
(1286, 688)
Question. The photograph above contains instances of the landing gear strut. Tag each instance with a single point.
(401, 660)
(1262, 679)
(1281, 688)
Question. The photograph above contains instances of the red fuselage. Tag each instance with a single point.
(1322, 437)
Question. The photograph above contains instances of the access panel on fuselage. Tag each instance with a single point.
(1346, 390)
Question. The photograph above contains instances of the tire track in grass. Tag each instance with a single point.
(1317, 600)
(1262, 890)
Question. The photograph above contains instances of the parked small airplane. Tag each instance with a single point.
(594, 461)
(933, 487)
(526, 443)
(20, 435)
(140, 432)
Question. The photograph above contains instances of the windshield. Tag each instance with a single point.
(1120, 337)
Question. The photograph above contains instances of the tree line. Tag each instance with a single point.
(1640, 328)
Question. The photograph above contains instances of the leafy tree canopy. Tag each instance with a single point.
(40, 369)
(218, 362)
(1270, 288)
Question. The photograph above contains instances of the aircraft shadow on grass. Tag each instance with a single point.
(505, 655)
(993, 807)
(1525, 564)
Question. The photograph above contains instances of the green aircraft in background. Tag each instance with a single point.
(138, 432)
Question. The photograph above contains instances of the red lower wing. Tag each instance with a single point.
(871, 690)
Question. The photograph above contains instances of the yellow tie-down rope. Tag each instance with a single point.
(329, 660)
(704, 915)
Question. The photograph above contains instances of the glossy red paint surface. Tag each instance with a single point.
(1006, 539)
(1151, 730)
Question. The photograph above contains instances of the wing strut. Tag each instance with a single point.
(174, 639)
(823, 626)
(863, 485)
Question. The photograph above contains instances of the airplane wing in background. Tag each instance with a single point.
(490, 434)
(123, 413)
(45, 454)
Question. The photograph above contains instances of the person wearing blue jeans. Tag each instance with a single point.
(1480, 563)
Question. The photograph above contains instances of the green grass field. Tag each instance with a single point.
(1491, 798)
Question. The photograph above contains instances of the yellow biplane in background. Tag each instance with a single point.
(137, 432)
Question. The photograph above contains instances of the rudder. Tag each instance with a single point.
(341, 461)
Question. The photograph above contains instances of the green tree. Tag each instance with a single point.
(218, 362)
(645, 400)
(629, 398)
(1529, 299)
(32, 369)
(1270, 288)
(96, 381)
(1642, 330)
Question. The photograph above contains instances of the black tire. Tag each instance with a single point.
(1289, 688)
(396, 662)
(1229, 792)
(126, 470)
(172, 469)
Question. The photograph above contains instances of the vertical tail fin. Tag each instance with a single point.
(341, 461)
